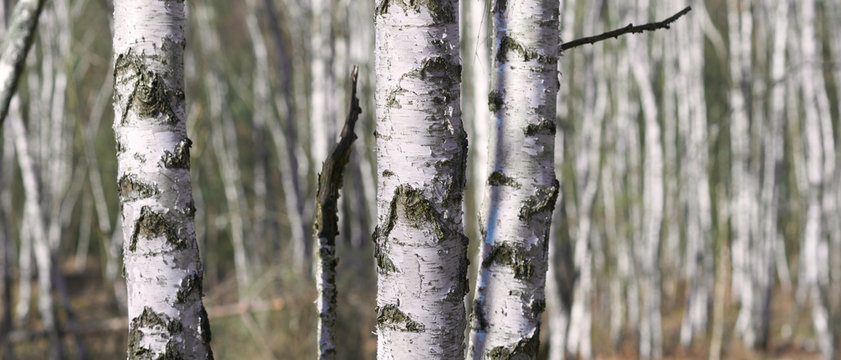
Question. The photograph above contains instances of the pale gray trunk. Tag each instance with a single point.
(587, 163)
(162, 266)
(478, 61)
(691, 105)
(820, 162)
(285, 138)
(648, 252)
(17, 39)
(522, 188)
(420, 248)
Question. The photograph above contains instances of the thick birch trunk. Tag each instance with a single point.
(163, 269)
(522, 188)
(420, 248)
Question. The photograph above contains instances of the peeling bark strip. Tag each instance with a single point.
(522, 188)
(163, 270)
(327, 227)
(420, 248)
(16, 44)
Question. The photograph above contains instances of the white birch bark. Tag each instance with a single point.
(587, 164)
(480, 68)
(322, 119)
(162, 265)
(744, 182)
(691, 104)
(648, 252)
(420, 248)
(522, 188)
(285, 138)
(820, 162)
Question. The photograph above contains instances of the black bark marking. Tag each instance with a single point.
(179, 158)
(508, 44)
(390, 316)
(157, 322)
(497, 178)
(150, 95)
(511, 255)
(153, 224)
(442, 11)
(131, 188)
(189, 285)
(542, 200)
(543, 127)
(526, 348)
(495, 101)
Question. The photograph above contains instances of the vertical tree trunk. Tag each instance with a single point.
(420, 248)
(522, 189)
(820, 162)
(648, 253)
(285, 137)
(162, 265)
(692, 111)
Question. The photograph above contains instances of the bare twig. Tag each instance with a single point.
(625, 30)
(327, 226)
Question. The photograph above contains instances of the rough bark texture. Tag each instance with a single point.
(327, 228)
(420, 248)
(16, 43)
(162, 267)
(521, 188)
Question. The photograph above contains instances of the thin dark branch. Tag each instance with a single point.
(625, 30)
(330, 180)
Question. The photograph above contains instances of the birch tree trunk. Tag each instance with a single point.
(522, 188)
(162, 265)
(17, 40)
(692, 111)
(648, 253)
(420, 248)
(820, 162)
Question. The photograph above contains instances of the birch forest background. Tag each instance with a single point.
(699, 212)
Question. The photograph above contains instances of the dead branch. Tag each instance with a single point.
(625, 30)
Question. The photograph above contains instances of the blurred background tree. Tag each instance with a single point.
(743, 261)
